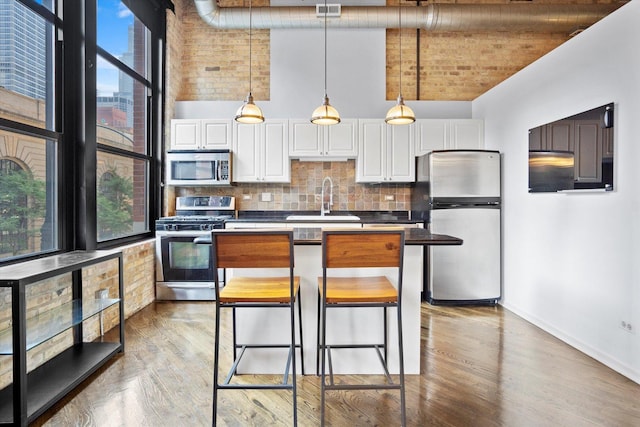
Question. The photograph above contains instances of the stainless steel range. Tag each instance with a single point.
(183, 267)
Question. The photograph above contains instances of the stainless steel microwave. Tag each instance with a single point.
(198, 167)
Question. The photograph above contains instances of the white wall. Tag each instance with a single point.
(572, 262)
(356, 71)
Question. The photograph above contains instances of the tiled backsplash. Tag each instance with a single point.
(304, 191)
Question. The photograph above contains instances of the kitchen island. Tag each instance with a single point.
(349, 325)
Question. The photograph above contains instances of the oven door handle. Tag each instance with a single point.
(191, 233)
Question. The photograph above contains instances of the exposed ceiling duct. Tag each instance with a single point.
(432, 17)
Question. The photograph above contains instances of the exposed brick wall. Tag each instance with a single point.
(460, 67)
(215, 63)
(139, 285)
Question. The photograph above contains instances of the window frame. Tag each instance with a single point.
(148, 12)
(74, 109)
(55, 110)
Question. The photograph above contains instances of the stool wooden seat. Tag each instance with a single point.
(264, 250)
(259, 289)
(358, 289)
(360, 249)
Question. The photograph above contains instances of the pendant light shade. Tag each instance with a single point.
(325, 114)
(400, 114)
(249, 112)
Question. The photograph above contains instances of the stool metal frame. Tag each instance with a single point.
(255, 249)
(348, 248)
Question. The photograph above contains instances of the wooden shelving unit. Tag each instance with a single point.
(33, 393)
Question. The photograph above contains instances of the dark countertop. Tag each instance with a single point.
(372, 217)
(413, 236)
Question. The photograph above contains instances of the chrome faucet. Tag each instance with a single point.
(322, 206)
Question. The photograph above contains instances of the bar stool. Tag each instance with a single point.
(351, 249)
(256, 249)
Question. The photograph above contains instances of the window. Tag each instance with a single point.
(122, 121)
(28, 136)
(78, 167)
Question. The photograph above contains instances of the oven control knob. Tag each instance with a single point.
(205, 227)
(170, 227)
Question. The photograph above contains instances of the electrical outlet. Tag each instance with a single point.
(246, 197)
(627, 327)
(389, 197)
(266, 197)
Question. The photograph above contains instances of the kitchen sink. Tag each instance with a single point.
(323, 218)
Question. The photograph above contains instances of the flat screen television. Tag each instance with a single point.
(574, 153)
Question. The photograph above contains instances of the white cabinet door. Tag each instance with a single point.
(401, 164)
(371, 162)
(276, 166)
(185, 134)
(445, 134)
(216, 134)
(309, 140)
(201, 134)
(466, 133)
(246, 152)
(386, 153)
(261, 152)
(431, 134)
(341, 140)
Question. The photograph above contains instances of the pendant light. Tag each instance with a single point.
(400, 114)
(249, 112)
(325, 114)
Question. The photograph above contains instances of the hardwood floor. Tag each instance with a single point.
(481, 366)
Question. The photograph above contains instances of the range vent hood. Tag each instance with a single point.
(432, 17)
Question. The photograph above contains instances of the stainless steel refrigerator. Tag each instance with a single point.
(457, 192)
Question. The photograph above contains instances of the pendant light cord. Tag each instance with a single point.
(250, 26)
(325, 47)
(400, 44)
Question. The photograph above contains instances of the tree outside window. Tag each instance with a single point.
(22, 209)
(115, 211)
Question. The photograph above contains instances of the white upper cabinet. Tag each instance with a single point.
(261, 152)
(401, 152)
(386, 152)
(201, 134)
(185, 134)
(431, 134)
(216, 134)
(341, 140)
(444, 134)
(466, 133)
(306, 139)
(323, 142)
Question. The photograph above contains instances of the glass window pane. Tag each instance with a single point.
(49, 4)
(26, 66)
(121, 196)
(123, 35)
(28, 196)
(121, 111)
